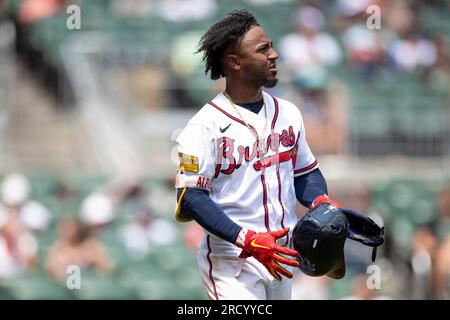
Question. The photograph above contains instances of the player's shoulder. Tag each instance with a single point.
(211, 112)
(205, 119)
(204, 116)
(199, 125)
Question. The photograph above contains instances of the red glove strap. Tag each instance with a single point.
(324, 199)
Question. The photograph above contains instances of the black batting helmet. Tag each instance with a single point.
(319, 238)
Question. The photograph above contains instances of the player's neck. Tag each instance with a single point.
(243, 94)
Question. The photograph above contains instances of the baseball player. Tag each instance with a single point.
(244, 160)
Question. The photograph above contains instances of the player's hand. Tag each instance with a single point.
(325, 199)
(263, 247)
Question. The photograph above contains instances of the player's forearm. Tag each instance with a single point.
(199, 206)
(309, 186)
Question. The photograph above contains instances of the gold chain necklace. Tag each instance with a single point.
(261, 145)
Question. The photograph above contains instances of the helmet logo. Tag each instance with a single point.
(315, 243)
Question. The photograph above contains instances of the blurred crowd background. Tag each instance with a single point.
(89, 116)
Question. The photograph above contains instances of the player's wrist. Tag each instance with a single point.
(243, 236)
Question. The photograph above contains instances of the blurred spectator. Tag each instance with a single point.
(97, 210)
(441, 228)
(439, 76)
(18, 247)
(145, 229)
(33, 10)
(413, 52)
(75, 246)
(348, 8)
(266, 2)
(135, 201)
(430, 256)
(442, 51)
(365, 49)
(64, 194)
(424, 240)
(187, 10)
(134, 8)
(15, 193)
(192, 236)
(424, 245)
(309, 51)
(398, 15)
(359, 290)
(442, 225)
(15, 189)
(442, 271)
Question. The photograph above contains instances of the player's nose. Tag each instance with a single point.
(273, 54)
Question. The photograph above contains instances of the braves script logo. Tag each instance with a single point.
(227, 163)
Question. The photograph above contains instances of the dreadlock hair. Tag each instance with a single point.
(222, 36)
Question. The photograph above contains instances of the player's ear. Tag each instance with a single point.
(233, 62)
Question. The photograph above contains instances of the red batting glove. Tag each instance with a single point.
(324, 199)
(262, 246)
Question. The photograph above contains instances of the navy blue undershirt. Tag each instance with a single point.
(252, 106)
(197, 204)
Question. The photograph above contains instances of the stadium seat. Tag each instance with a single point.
(173, 257)
(187, 278)
(14, 6)
(371, 119)
(170, 272)
(35, 286)
(158, 289)
(43, 184)
(405, 205)
(95, 287)
(150, 282)
(83, 185)
(402, 196)
(145, 279)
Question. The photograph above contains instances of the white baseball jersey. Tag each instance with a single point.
(219, 153)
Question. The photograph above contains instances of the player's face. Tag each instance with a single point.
(258, 58)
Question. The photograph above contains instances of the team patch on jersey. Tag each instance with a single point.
(188, 163)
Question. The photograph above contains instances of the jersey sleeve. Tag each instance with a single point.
(196, 167)
(305, 161)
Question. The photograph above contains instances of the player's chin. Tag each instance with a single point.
(270, 82)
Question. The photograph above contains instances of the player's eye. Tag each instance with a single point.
(264, 48)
